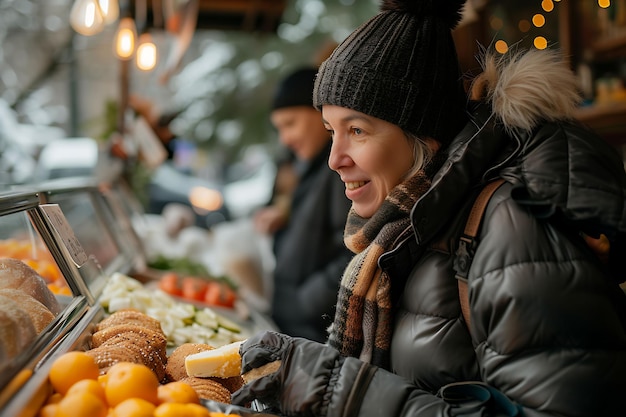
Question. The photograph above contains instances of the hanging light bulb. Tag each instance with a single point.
(146, 53)
(110, 10)
(86, 17)
(125, 38)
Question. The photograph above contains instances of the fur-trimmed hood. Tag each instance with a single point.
(522, 128)
(525, 88)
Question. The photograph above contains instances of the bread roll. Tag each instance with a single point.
(175, 368)
(39, 314)
(130, 316)
(16, 328)
(263, 370)
(130, 336)
(15, 274)
(208, 389)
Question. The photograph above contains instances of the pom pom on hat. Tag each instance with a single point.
(450, 11)
(401, 66)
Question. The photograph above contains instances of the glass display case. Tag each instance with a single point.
(40, 299)
(82, 238)
(97, 229)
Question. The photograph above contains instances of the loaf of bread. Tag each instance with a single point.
(39, 314)
(130, 336)
(15, 274)
(16, 329)
(208, 389)
(27, 306)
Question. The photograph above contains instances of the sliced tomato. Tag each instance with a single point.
(220, 294)
(194, 288)
(170, 283)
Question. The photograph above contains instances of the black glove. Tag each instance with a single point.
(300, 384)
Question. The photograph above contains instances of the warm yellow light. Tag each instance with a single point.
(539, 20)
(547, 5)
(540, 42)
(523, 25)
(604, 3)
(146, 53)
(110, 10)
(496, 23)
(501, 46)
(86, 17)
(125, 38)
(205, 199)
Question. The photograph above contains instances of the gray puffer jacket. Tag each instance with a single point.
(547, 322)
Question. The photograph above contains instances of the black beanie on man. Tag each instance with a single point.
(401, 66)
(296, 89)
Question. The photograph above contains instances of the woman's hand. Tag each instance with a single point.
(299, 385)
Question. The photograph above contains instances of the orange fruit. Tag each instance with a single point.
(71, 367)
(134, 407)
(88, 385)
(102, 379)
(130, 380)
(48, 410)
(54, 398)
(177, 392)
(83, 404)
(181, 410)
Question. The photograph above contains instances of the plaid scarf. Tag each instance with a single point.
(362, 325)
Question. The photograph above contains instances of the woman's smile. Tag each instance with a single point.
(355, 184)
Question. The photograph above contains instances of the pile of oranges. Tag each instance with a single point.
(126, 390)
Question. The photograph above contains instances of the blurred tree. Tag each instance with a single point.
(226, 90)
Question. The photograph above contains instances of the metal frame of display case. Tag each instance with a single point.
(110, 224)
(21, 370)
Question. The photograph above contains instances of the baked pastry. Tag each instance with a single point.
(17, 275)
(150, 338)
(208, 389)
(130, 316)
(175, 368)
(17, 330)
(140, 340)
(107, 356)
(39, 314)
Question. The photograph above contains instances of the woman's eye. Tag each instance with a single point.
(357, 131)
(330, 132)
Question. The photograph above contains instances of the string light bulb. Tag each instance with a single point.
(86, 17)
(125, 38)
(110, 10)
(146, 53)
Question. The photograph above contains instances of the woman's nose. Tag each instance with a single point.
(338, 156)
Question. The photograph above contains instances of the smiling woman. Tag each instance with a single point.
(370, 154)
(399, 344)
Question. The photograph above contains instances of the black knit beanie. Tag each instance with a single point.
(401, 66)
(296, 89)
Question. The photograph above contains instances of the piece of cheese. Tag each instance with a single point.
(222, 362)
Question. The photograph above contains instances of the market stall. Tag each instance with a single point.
(81, 241)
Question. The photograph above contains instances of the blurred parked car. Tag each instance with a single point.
(69, 157)
(169, 185)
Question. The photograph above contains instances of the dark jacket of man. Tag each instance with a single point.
(310, 253)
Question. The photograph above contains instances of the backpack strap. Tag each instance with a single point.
(468, 244)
